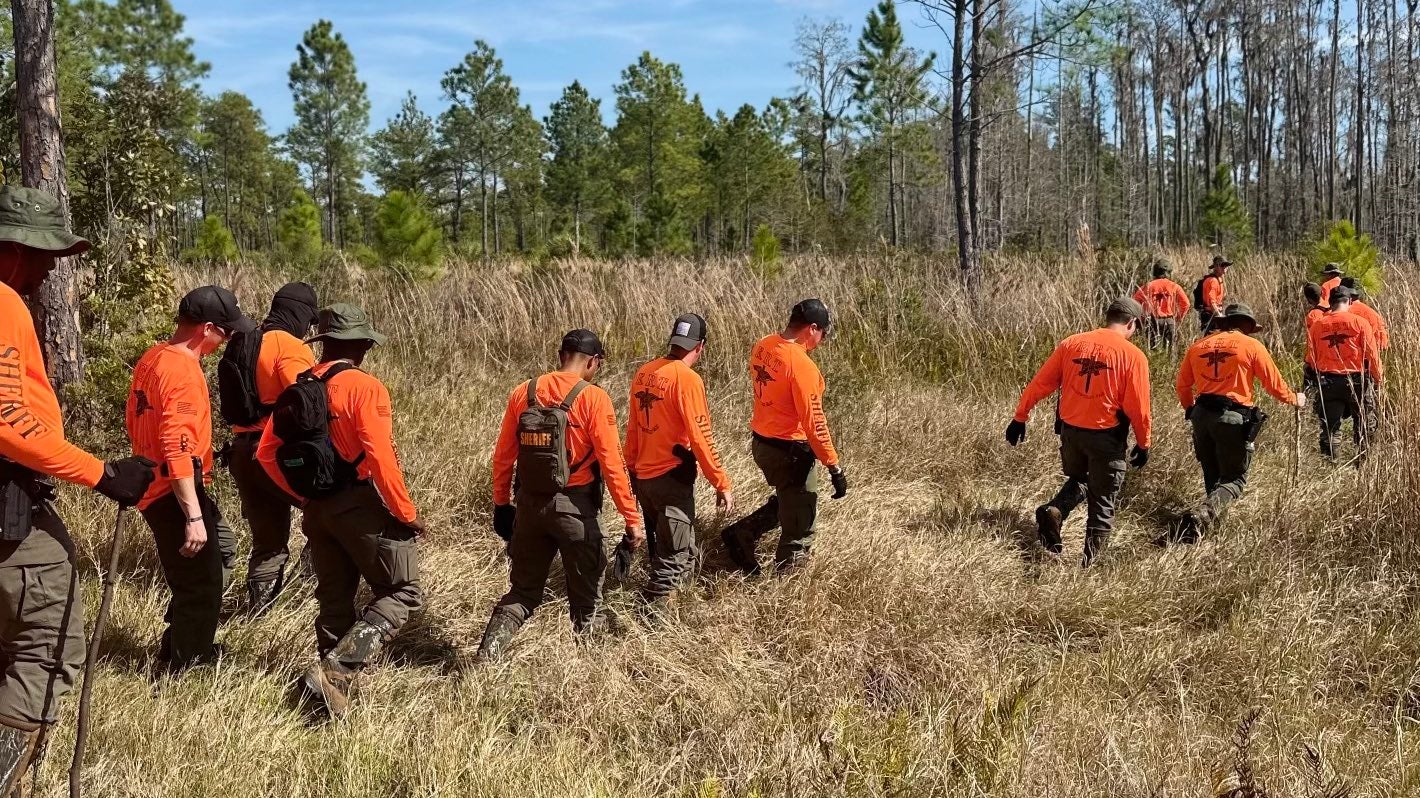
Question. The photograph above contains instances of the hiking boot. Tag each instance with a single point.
(740, 548)
(657, 611)
(19, 741)
(360, 644)
(497, 635)
(1047, 524)
(331, 682)
(261, 596)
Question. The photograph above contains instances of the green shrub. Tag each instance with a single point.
(214, 243)
(765, 246)
(298, 236)
(1356, 253)
(406, 236)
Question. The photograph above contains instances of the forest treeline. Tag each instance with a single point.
(1069, 126)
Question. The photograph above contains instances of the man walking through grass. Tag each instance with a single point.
(254, 371)
(1103, 381)
(1165, 305)
(790, 436)
(1215, 389)
(169, 420)
(557, 446)
(330, 443)
(41, 612)
(1210, 292)
(1347, 357)
(667, 435)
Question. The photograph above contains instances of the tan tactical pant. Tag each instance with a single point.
(41, 620)
(352, 536)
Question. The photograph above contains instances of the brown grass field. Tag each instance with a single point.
(928, 650)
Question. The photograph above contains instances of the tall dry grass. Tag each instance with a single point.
(927, 650)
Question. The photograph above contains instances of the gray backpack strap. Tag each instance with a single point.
(532, 393)
(573, 394)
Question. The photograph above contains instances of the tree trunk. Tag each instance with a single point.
(55, 305)
(966, 248)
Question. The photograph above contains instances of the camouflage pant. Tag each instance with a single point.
(41, 620)
(352, 536)
(668, 506)
(1094, 465)
(1221, 446)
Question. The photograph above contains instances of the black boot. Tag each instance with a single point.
(1047, 523)
(19, 740)
(262, 595)
(502, 625)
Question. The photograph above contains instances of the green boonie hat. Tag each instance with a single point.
(345, 322)
(32, 218)
(1332, 268)
(1162, 267)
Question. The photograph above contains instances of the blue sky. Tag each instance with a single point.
(731, 51)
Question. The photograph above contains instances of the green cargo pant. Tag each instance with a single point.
(266, 508)
(1161, 332)
(41, 620)
(1094, 465)
(1346, 396)
(788, 467)
(196, 582)
(668, 506)
(565, 524)
(1221, 446)
(353, 536)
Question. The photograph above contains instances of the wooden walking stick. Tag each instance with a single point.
(1296, 444)
(91, 659)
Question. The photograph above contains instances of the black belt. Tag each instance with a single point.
(778, 443)
(1213, 401)
(249, 434)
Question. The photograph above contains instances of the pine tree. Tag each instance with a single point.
(406, 236)
(890, 87)
(298, 233)
(332, 112)
(214, 243)
(403, 154)
(478, 132)
(1357, 254)
(1225, 219)
(578, 139)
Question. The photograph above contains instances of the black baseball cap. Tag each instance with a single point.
(583, 342)
(215, 304)
(688, 331)
(810, 311)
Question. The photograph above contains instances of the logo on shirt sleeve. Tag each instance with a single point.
(141, 404)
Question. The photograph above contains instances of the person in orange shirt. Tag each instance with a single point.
(358, 518)
(281, 357)
(1215, 389)
(1165, 305)
(169, 421)
(1332, 273)
(1103, 381)
(667, 434)
(1211, 292)
(790, 434)
(1349, 370)
(41, 611)
(558, 478)
(1365, 311)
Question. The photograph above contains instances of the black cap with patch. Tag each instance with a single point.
(688, 331)
(583, 342)
(215, 304)
(810, 311)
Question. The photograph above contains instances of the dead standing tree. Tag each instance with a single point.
(56, 304)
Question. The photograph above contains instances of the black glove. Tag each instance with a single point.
(1015, 432)
(503, 517)
(840, 482)
(621, 560)
(125, 481)
(1139, 457)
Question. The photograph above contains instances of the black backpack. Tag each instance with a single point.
(1198, 295)
(307, 456)
(237, 398)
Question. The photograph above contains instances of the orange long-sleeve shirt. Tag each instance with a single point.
(283, 357)
(788, 396)
(361, 421)
(591, 429)
(1326, 291)
(1226, 364)
(668, 409)
(1099, 375)
(1213, 294)
(169, 417)
(31, 427)
(1163, 298)
(1342, 342)
(1374, 319)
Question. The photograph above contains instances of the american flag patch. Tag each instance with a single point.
(185, 408)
